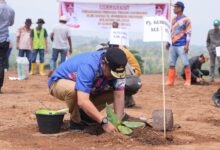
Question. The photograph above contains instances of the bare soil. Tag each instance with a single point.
(196, 119)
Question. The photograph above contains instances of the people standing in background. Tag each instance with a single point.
(7, 57)
(24, 41)
(213, 41)
(61, 38)
(7, 16)
(39, 45)
(181, 34)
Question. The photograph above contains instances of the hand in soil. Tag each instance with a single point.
(109, 128)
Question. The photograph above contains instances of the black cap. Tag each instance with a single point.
(28, 21)
(116, 60)
(40, 20)
(180, 4)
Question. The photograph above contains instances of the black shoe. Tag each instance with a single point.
(76, 126)
(86, 119)
(125, 117)
(129, 102)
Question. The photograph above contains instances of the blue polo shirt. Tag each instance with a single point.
(85, 69)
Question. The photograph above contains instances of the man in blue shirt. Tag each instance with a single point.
(87, 82)
(6, 20)
(181, 34)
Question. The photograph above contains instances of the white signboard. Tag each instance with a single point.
(217, 51)
(157, 29)
(119, 37)
(95, 16)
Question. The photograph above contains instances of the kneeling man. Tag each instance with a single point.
(87, 82)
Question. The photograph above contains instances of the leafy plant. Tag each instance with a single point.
(123, 127)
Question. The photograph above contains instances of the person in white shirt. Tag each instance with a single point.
(61, 38)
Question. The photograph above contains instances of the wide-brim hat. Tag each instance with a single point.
(40, 21)
(28, 21)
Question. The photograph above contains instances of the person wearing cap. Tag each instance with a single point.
(23, 41)
(7, 16)
(61, 42)
(87, 82)
(213, 41)
(181, 34)
(197, 73)
(39, 45)
(133, 72)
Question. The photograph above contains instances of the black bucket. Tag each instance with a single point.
(49, 124)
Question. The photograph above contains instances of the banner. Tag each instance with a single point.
(157, 29)
(94, 16)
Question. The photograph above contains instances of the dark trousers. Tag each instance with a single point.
(7, 58)
(197, 74)
(4, 46)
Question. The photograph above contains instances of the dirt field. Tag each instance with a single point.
(198, 119)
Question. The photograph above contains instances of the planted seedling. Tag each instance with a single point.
(124, 127)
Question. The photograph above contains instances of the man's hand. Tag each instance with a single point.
(167, 46)
(46, 50)
(186, 49)
(70, 51)
(109, 128)
(199, 80)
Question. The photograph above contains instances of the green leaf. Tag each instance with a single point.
(112, 117)
(51, 112)
(61, 111)
(133, 124)
(124, 130)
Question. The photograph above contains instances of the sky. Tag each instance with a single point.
(201, 12)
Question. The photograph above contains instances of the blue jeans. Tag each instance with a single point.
(55, 54)
(26, 53)
(176, 52)
(34, 55)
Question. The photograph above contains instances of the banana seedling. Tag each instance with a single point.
(124, 127)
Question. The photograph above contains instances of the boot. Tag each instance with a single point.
(41, 69)
(188, 76)
(33, 68)
(171, 76)
(129, 102)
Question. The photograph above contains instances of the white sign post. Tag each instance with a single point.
(153, 30)
(158, 29)
(119, 37)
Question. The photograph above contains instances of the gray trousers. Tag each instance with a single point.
(213, 57)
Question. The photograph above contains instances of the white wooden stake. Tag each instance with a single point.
(163, 84)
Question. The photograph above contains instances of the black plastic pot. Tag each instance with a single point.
(49, 124)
